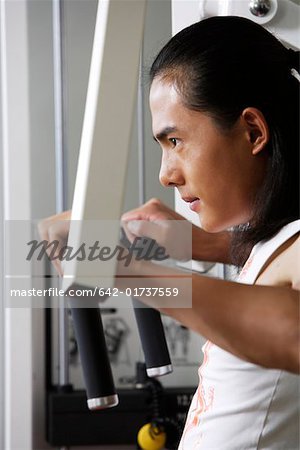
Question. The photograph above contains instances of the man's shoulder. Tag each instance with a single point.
(283, 267)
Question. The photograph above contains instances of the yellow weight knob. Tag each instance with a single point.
(151, 437)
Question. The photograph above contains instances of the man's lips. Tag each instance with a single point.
(194, 203)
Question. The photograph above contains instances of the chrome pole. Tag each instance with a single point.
(60, 169)
(141, 133)
(141, 141)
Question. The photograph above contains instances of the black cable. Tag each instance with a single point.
(159, 422)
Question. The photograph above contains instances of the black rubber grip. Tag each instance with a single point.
(150, 325)
(93, 353)
(152, 336)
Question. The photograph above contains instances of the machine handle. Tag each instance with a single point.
(96, 368)
(150, 327)
(153, 340)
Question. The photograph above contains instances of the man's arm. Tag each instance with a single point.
(214, 247)
(259, 324)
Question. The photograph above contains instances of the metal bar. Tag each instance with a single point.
(2, 213)
(141, 144)
(60, 169)
(141, 133)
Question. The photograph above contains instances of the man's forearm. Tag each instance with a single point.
(214, 247)
(256, 323)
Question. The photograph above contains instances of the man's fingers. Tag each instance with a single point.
(144, 228)
(54, 232)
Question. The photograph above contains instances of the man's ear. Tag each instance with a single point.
(257, 129)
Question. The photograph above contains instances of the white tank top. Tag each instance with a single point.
(239, 405)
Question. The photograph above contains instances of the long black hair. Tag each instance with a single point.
(223, 65)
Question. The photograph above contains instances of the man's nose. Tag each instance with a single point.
(170, 174)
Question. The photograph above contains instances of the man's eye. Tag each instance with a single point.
(173, 141)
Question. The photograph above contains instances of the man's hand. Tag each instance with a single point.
(160, 223)
(56, 228)
(181, 239)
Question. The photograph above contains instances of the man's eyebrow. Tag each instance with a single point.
(164, 132)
